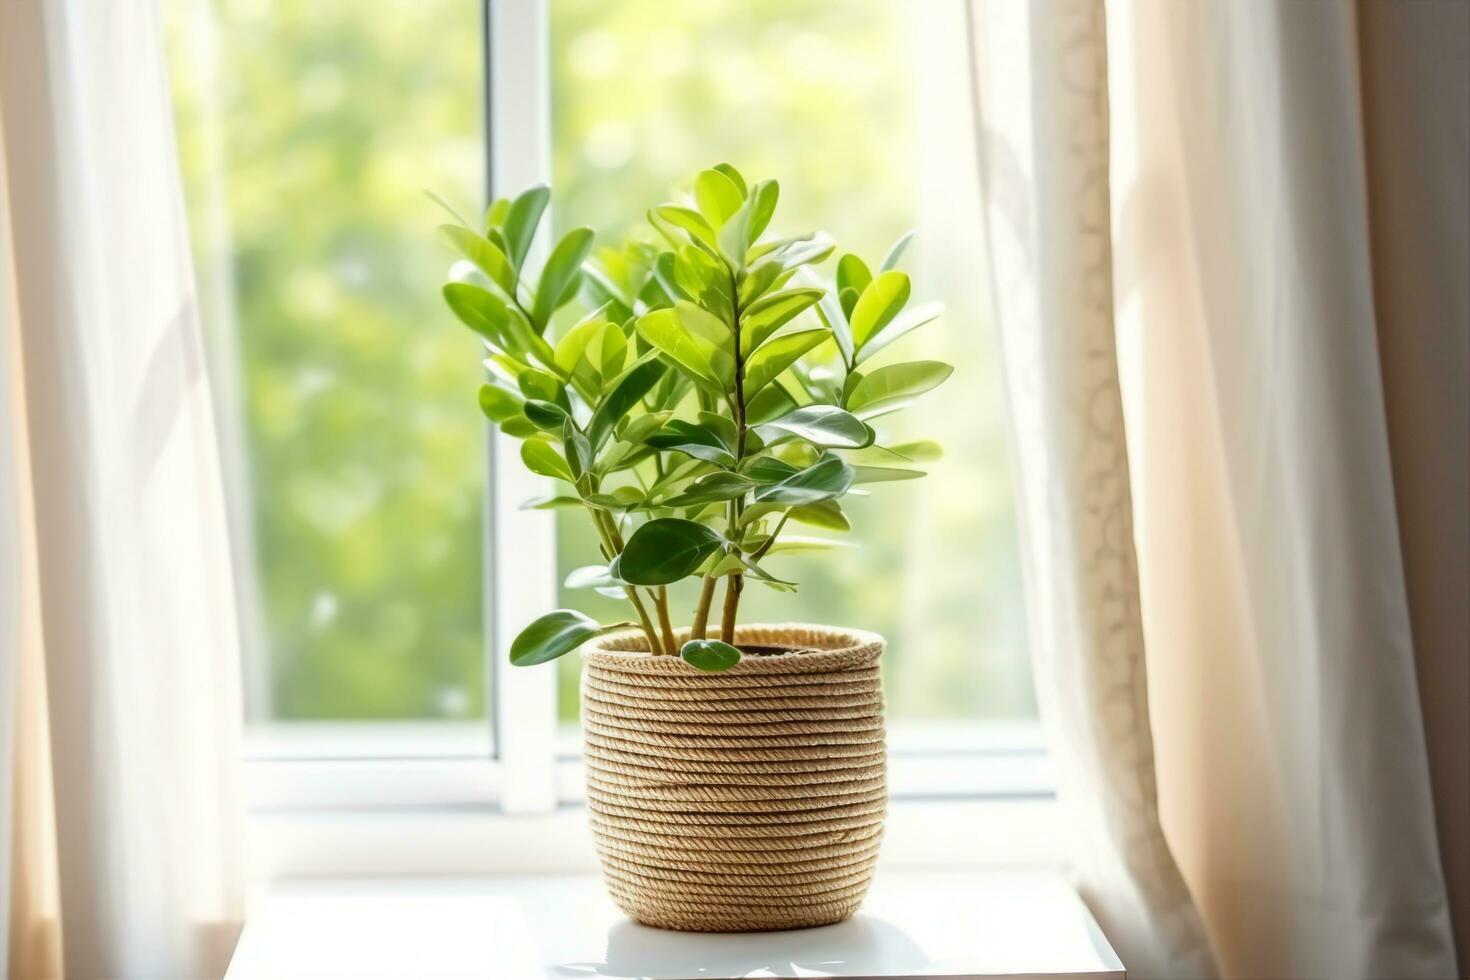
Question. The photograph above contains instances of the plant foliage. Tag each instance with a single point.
(716, 391)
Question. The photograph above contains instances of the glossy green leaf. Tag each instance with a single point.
(619, 498)
(709, 655)
(772, 402)
(883, 474)
(694, 354)
(768, 469)
(772, 312)
(638, 429)
(521, 219)
(666, 550)
(694, 224)
(735, 176)
(574, 343)
(486, 257)
(890, 261)
(821, 425)
(554, 635)
(551, 502)
(480, 310)
(853, 274)
(693, 439)
(734, 237)
(825, 514)
(498, 404)
(535, 383)
(896, 381)
(541, 457)
(717, 196)
(560, 274)
(789, 544)
(829, 308)
(878, 304)
(590, 577)
(710, 489)
(829, 477)
(764, 197)
(623, 393)
(495, 214)
(578, 449)
(545, 415)
(905, 322)
(776, 355)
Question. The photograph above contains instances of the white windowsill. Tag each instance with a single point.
(913, 924)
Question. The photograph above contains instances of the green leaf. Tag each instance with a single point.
(768, 469)
(495, 214)
(772, 312)
(734, 237)
(480, 310)
(825, 514)
(521, 221)
(639, 429)
(852, 273)
(709, 655)
(560, 274)
(821, 425)
(498, 404)
(828, 477)
(894, 382)
(590, 577)
(798, 545)
(734, 175)
(551, 502)
(685, 219)
(907, 321)
(878, 304)
(545, 415)
(571, 346)
(771, 402)
(776, 355)
(692, 439)
(895, 253)
(829, 308)
(710, 489)
(578, 449)
(620, 498)
(665, 550)
(701, 359)
(535, 383)
(624, 392)
(717, 196)
(883, 474)
(764, 198)
(918, 451)
(541, 457)
(555, 634)
(486, 257)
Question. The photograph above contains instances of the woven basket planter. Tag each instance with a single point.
(738, 801)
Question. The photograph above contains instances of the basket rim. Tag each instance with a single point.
(820, 648)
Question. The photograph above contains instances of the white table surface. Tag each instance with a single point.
(914, 924)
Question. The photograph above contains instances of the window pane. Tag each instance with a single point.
(307, 130)
(861, 109)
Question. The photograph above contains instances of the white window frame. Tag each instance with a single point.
(986, 800)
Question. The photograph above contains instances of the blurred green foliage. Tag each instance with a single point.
(307, 130)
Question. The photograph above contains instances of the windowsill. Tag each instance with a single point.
(914, 924)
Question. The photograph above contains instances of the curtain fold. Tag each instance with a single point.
(1041, 89)
(126, 725)
(1183, 187)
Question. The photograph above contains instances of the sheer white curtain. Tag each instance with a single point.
(117, 622)
(1187, 181)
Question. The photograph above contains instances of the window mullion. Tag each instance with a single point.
(521, 543)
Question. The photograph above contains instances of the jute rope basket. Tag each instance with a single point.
(738, 801)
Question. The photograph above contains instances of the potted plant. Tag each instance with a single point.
(718, 393)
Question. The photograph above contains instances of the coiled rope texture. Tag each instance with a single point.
(738, 801)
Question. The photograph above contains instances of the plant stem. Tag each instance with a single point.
(735, 582)
(661, 603)
(701, 611)
(612, 544)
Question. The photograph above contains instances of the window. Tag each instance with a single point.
(373, 515)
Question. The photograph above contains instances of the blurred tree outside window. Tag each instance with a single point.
(308, 130)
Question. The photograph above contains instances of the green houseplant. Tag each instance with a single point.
(719, 392)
